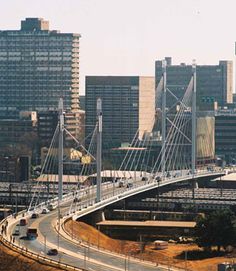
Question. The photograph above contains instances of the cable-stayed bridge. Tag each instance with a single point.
(183, 156)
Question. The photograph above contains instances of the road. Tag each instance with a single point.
(73, 254)
(78, 255)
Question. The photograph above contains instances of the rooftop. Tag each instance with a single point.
(148, 223)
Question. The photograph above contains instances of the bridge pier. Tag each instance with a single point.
(194, 186)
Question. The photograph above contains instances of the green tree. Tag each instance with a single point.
(216, 229)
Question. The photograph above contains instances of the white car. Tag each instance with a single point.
(45, 211)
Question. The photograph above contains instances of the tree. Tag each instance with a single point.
(216, 229)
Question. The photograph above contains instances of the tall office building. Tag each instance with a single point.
(37, 67)
(128, 105)
(225, 135)
(214, 82)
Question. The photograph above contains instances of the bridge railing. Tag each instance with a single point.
(39, 258)
(5, 239)
(91, 206)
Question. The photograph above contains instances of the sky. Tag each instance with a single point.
(125, 37)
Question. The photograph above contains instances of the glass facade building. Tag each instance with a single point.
(225, 135)
(37, 67)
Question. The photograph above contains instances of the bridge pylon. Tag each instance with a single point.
(163, 121)
(99, 148)
(60, 149)
(194, 118)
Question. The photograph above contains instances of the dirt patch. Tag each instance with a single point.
(174, 255)
(12, 261)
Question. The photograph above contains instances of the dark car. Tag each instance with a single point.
(34, 215)
(16, 232)
(129, 185)
(144, 179)
(52, 252)
(23, 222)
(158, 178)
(76, 200)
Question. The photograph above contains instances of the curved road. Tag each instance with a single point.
(77, 255)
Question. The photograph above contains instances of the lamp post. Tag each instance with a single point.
(185, 258)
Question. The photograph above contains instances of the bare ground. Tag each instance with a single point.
(173, 256)
(13, 261)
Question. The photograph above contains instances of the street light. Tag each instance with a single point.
(185, 258)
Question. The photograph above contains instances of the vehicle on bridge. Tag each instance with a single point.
(45, 211)
(31, 233)
(23, 222)
(77, 199)
(34, 215)
(158, 178)
(129, 185)
(121, 183)
(144, 179)
(52, 252)
(50, 207)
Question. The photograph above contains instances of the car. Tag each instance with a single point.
(50, 207)
(52, 252)
(16, 232)
(23, 222)
(76, 200)
(158, 178)
(210, 168)
(144, 179)
(168, 174)
(121, 183)
(35, 215)
(129, 185)
(45, 211)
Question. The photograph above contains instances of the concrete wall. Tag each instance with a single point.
(146, 104)
(205, 137)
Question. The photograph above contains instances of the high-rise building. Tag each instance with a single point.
(20, 132)
(37, 67)
(214, 82)
(225, 135)
(128, 106)
(47, 123)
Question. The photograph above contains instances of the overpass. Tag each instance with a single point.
(74, 253)
(173, 158)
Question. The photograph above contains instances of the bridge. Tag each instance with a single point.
(176, 162)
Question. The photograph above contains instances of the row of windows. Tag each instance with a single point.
(30, 53)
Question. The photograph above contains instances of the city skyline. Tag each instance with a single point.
(126, 37)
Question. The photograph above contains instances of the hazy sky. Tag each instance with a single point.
(124, 37)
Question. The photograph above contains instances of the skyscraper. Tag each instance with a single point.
(214, 82)
(37, 67)
(128, 105)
